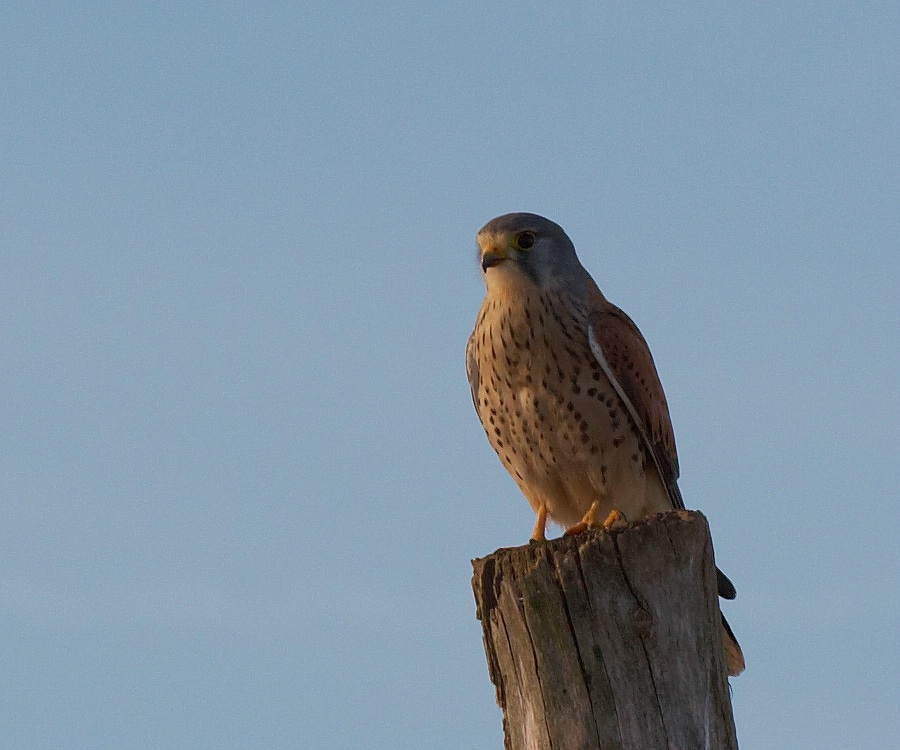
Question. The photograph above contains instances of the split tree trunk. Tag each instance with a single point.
(610, 639)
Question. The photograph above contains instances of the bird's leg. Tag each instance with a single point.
(540, 525)
(615, 518)
(588, 522)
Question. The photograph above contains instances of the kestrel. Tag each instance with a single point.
(567, 391)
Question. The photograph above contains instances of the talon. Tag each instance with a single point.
(588, 522)
(540, 525)
(614, 520)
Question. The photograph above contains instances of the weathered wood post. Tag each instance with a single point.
(610, 639)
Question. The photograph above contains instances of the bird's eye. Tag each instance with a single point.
(524, 240)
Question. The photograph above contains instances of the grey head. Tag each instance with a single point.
(529, 248)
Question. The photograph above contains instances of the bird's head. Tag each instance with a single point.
(524, 248)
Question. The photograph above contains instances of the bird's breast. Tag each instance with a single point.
(532, 359)
(550, 411)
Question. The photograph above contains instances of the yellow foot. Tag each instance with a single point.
(615, 518)
(588, 522)
(540, 525)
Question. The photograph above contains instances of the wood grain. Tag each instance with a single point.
(611, 639)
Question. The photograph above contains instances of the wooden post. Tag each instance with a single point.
(610, 639)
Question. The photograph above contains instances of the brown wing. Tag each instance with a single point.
(631, 363)
(472, 368)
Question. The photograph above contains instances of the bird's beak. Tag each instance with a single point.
(493, 255)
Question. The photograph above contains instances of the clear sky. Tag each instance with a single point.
(242, 479)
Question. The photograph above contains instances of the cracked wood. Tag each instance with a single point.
(608, 640)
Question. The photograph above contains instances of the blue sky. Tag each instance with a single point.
(242, 476)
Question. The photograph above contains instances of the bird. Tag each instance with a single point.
(567, 391)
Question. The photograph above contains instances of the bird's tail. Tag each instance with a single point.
(734, 657)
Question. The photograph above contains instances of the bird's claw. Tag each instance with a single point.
(540, 525)
(613, 520)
